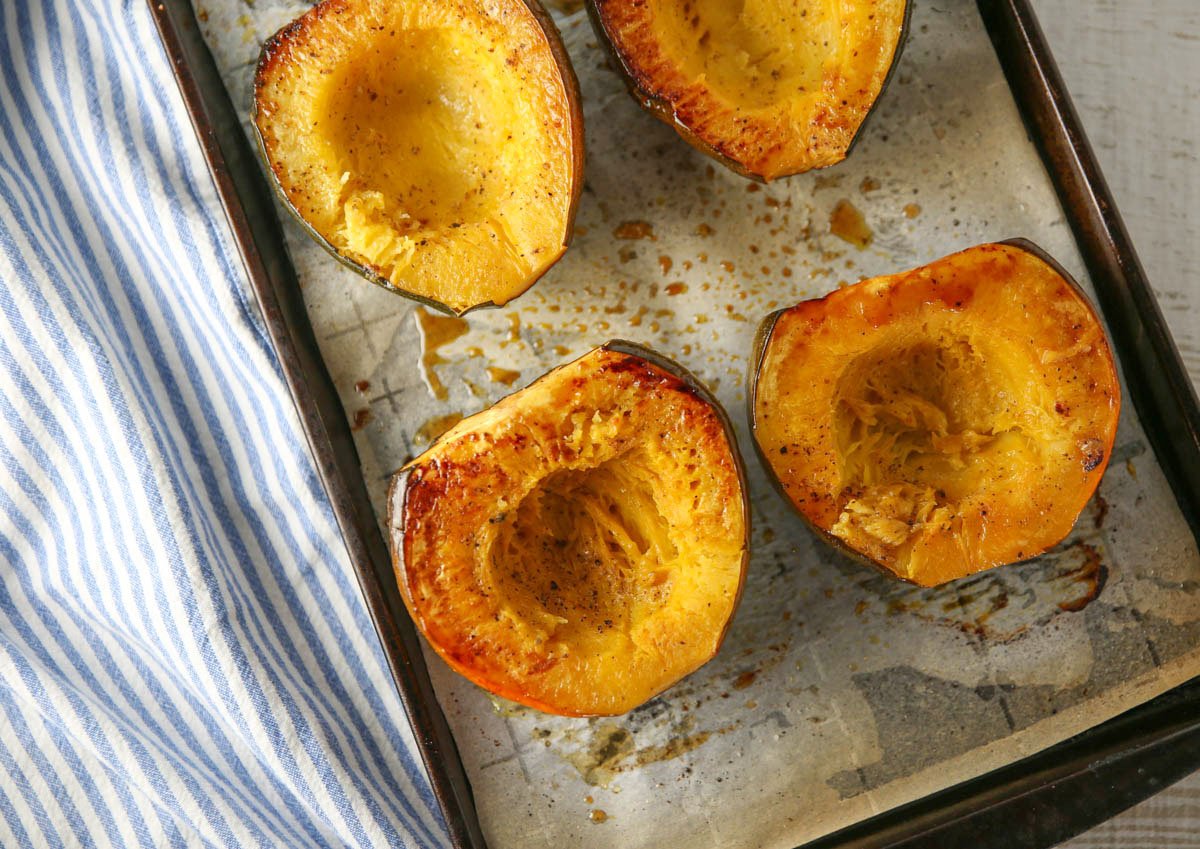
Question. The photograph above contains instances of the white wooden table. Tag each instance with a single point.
(1133, 70)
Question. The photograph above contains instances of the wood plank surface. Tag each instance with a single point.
(1133, 70)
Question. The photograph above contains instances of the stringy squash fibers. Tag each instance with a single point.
(581, 545)
(944, 420)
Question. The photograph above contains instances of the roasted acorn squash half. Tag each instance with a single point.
(435, 146)
(581, 545)
(767, 87)
(944, 420)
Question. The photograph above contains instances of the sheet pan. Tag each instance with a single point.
(897, 147)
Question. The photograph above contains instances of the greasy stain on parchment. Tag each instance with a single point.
(658, 731)
(605, 749)
(999, 707)
(1002, 604)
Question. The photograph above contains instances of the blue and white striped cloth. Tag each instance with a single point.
(185, 659)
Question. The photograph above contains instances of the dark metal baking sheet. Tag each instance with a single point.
(1034, 802)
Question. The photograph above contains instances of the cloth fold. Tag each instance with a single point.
(185, 658)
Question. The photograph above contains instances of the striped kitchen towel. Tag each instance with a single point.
(185, 659)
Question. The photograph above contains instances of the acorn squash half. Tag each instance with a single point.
(768, 87)
(435, 146)
(581, 545)
(943, 420)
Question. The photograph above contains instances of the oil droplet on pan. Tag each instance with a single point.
(745, 680)
(634, 230)
(502, 375)
(847, 223)
(435, 427)
(514, 329)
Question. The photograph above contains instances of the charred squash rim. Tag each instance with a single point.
(275, 49)
(763, 337)
(661, 107)
(657, 367)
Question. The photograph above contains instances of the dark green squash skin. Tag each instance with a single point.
(570, 85)
(762, 338)
(399, 486)
(662, 109)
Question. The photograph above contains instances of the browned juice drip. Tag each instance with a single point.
(436, 331)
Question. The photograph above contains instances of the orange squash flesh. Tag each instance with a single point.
(943, 420)
(581, 545)
(435, 147)
(768, 87)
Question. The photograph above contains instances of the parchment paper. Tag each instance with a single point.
(838, 693)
